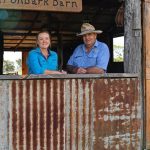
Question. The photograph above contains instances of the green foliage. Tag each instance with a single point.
(118, 59)
(19, 66)
(118, 53)
(8, 66)
(19, 63)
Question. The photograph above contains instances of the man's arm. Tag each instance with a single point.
(90, 70)
(73, 69)
(95, 70)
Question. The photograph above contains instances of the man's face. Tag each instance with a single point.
(89, 39)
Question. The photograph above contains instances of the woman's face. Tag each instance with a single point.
(43, 40)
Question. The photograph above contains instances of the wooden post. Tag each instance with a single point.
(24, 66)
(4, 116)
(132, 29)
(146, 66)
(133, 48)
(60, 51)
(1, 52)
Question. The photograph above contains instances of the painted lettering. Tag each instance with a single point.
(21, 1)
(64, 3)
(45, 2)
(27, 1)
(34, 2)
(13, 1)
(57, 5)
(74, 4)
(2, 1)
(61, 3)
(67, 3)
(55, 2)
(17, 1)
(39, 1)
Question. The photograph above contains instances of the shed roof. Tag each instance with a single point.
(20, 27)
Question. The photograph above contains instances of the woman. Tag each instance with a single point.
(42, 60)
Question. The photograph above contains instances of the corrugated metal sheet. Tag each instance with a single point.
(79, 116)
(118, 115)
(73, 114)
(36, 115)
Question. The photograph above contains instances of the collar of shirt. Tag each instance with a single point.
(92, 51)
(39, 51)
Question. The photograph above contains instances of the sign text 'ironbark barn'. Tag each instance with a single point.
(43, 5)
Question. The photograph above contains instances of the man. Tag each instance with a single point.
(92, 56)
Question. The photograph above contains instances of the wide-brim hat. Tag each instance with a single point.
(88, 28)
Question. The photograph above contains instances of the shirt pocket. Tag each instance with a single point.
(78, 61)
(91, 61)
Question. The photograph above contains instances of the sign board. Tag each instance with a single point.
(43, 5)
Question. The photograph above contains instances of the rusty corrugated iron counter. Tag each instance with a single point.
(70, 113)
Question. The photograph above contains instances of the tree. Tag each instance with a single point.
(8, 66)
(118, 53)
(19, 63)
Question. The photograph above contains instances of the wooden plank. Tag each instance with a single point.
(146, 49)
(147, 114)
(1, 51)
(24, 66)
(146, 34)
(133, 39)
(43, 5)
(4, 99)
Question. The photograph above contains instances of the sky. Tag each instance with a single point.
(12, 56)
(119, 41)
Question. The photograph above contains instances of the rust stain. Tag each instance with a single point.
(68, 114)
(117, 114)
(37, 115)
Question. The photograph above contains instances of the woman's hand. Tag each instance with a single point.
(54, 72)
(63, 72)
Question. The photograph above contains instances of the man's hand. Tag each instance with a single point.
(81, 71)
(73, 69)
(95, 70)
(89, 70)
(63, 72)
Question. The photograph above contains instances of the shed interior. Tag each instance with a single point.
(18, 29)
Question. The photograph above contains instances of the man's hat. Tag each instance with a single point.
(88, 28)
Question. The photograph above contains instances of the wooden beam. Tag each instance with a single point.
(133, 49)
(1, 52)
(146, 68)
(133, 38)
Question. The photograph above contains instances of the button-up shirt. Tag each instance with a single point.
(97, 57)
